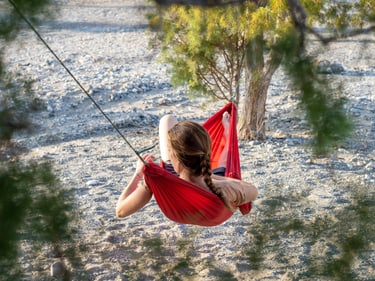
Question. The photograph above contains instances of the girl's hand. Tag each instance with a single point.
(149, 158)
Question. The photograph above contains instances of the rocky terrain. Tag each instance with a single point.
(105, 44)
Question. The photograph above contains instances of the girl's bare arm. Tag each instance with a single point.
(136, 194)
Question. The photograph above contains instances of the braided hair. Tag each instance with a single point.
(191, 144)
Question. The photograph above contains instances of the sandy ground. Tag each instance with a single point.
(105, 44)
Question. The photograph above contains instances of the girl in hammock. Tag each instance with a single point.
(185, 149)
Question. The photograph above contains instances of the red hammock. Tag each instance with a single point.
(187, 203)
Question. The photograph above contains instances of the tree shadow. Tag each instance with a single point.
(94, 27)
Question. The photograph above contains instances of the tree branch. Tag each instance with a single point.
(201, 3)
(351, 33)
(299, 16)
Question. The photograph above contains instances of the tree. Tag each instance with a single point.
(34, 208)
(227, 49)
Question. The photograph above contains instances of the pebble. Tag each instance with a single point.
(93, 182)
(58, 269)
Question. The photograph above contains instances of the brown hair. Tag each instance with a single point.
(191, 144)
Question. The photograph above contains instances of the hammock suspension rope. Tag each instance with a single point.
(19, 12)
(204, 208)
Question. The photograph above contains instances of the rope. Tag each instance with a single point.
(76, 80)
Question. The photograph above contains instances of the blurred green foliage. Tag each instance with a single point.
(35, 210)
(34, 10)
(324, 106)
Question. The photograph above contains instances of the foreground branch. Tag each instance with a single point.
(202, 3)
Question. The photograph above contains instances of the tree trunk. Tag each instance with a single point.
(251, 119)
(251, 123)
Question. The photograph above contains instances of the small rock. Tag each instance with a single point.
(370, 166)
(58, 269)
(92, 182)
(324, 67)
(337, 68)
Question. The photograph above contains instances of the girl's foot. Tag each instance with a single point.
(226, 122)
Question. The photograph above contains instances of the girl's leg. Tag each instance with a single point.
(166, 122)
(224, 153)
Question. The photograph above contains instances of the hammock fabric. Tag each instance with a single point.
(187, 203)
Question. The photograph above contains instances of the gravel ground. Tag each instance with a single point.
(105, 45)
